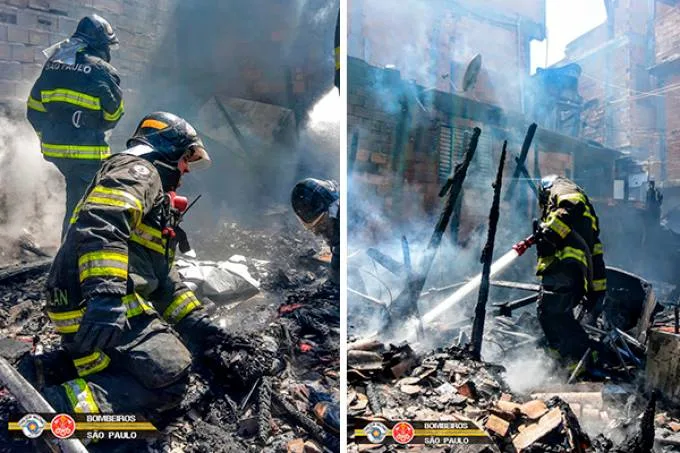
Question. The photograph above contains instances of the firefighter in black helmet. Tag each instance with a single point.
(113, 279)
(570, 264)
(317, 204)
(76, 99)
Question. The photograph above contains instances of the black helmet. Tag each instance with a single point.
(311, 198)
(96, 32)
(544, 187)
(172, 138)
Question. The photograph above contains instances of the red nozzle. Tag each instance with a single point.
(178, 202)
(523, 246)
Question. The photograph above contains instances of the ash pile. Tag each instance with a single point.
(425, 349)
(271, 386)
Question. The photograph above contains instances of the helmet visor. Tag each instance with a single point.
(198, 159)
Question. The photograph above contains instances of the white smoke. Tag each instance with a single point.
(32, 191)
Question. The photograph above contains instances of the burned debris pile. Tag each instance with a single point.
(269, 385)
(393, 382)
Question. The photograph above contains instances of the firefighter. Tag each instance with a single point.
(317, 205)
(129, 324)
(76, 99)
(570, 264)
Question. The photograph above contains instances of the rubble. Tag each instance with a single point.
(282, 355)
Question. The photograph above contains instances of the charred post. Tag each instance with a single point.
(404, 304)
(521, 170)
(487, 259)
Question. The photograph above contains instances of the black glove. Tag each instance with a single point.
(103, 324)
(199, 333)
(544, 246)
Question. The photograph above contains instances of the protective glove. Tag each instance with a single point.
(544, 246)
(103, 324)
(199, 333)
(594, 305)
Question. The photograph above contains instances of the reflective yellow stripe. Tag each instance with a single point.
(103, 264)
(593, 221)
(579, 198)
(181, 306)
(76, 210)
(600, 285)
(71, 97)
(118, 198)
(136, 305)
(80, 396)
(573, 253)
(67, 321)
(598, 249)
(337, 58)
(149, 237)
(75, 151)
(575, 196)
(92, 363)
(101, 190)
(115, 116)
(554, 223)
(34, 104)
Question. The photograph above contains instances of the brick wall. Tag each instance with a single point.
(442, 40)
(29, 26)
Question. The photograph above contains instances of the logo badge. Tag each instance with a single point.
(63, 426)
(32, 425)
(403, 432)
(140, 171)
(375, 432)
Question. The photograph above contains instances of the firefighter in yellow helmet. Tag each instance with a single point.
(570, 264)
(76, 99)
(128, 323)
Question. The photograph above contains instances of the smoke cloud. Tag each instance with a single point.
(32, 197)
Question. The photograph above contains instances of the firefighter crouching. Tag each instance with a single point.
(570, 264)
(317, 205)
(129, 324)
(76, 99)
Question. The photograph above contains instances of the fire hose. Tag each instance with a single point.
(32, 401)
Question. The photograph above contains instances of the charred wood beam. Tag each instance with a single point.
(12, 272)
(520, 169)
(309, 425)
(374, 400)
(386, 261)
(410, 280)
(487, 259)
(264, 408)
(403, 305)
(506, 308)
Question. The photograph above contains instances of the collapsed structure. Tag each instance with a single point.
(410, 130)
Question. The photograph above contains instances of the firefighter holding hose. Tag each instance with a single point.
(570, 264)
